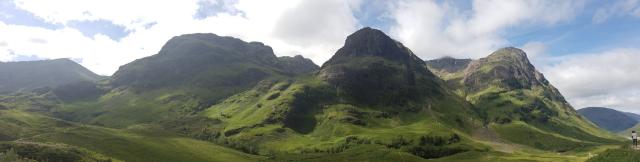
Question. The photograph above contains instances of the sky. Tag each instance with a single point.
(588, 49)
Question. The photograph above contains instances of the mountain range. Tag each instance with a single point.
(610, 119)
(205, 97)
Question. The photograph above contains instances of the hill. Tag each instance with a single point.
(609, 119)
(29, 75)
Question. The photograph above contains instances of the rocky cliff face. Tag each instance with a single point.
(508, 68)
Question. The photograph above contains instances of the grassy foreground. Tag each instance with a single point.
(93, 143)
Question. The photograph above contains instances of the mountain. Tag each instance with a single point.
(375, 69)
(373, 94)
(633, 115)
(512, 97)
(609, 119)
(190, 73)
(205, 97)
(29, 75)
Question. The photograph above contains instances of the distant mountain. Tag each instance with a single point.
(609, 119)
(633, 115)
(29, 75)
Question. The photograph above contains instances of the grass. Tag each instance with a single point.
(617, 154)
(138, 143)
(521, 133)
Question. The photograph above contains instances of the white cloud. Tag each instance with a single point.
(534, 49)
(619, 8)
(435, 29)
(608, 79)
(289, 26)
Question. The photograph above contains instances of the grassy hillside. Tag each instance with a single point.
(54, 139)
(518, 103)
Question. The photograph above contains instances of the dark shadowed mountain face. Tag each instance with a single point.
(375, 69)
(196, 59)
(208, 61)
(609, 119)
(28, 75)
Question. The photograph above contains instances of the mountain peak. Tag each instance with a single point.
(202, 43)
(509, 66)
(369, 60)
(510, 53)
(372, 42)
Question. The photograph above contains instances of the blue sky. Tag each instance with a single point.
(575, 43)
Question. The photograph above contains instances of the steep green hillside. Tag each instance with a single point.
(29, 75)
(609, 119)
(519, 103)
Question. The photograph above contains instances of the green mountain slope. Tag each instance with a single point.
(373, 93)
(609, 119)
(191, 72)
(517, 101)
(29, 75)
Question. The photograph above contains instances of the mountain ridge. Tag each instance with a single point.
(29, 75)
(609, 119)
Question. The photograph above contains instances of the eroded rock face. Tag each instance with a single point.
(508, 68)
